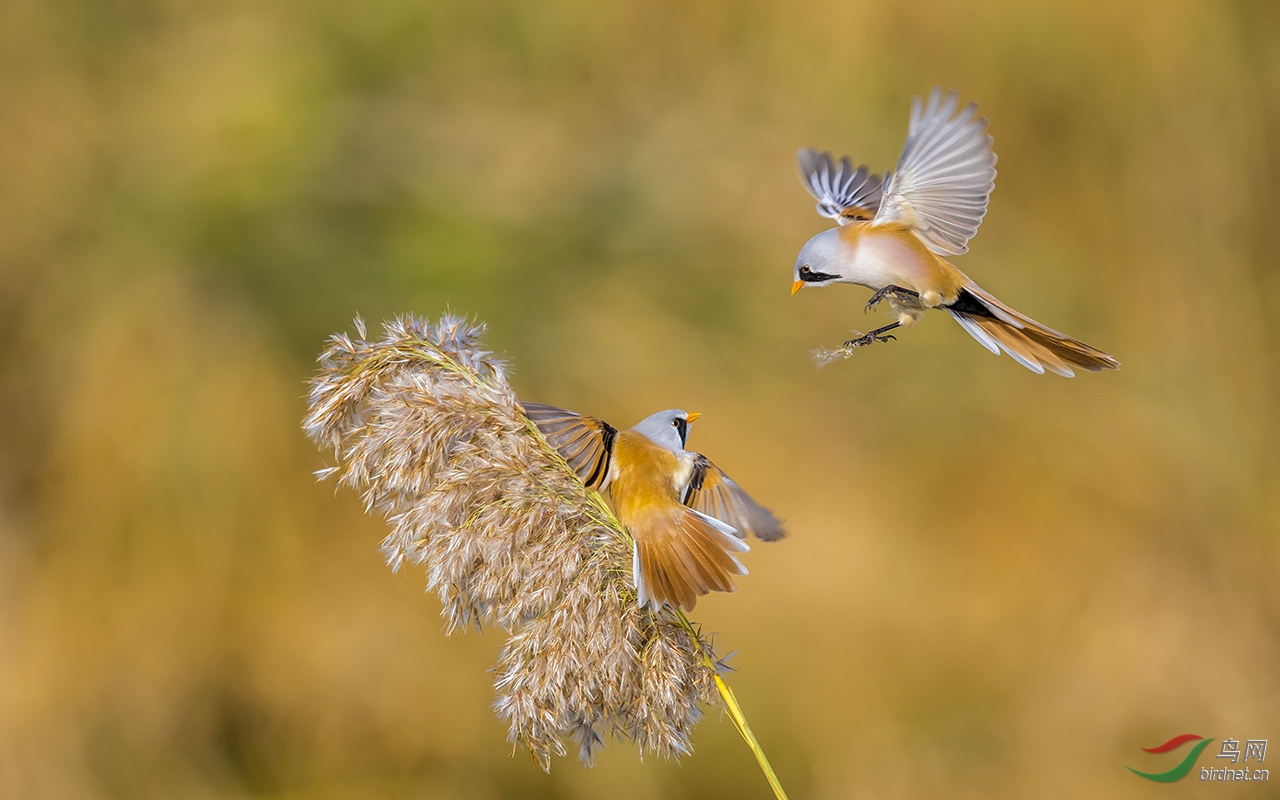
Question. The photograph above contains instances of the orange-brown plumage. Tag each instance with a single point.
(1029, 341)
(680, 556)
(686, 516)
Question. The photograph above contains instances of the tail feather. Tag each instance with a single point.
(690, 555)
(1036, 347)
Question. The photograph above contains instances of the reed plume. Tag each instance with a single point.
(425, 426)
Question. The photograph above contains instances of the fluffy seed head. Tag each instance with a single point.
(425, 426)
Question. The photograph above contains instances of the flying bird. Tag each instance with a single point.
(687, 518)
(894, 236)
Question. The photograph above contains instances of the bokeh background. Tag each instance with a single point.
(998, 584)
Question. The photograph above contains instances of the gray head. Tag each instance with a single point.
(819, 261)
(668, 428)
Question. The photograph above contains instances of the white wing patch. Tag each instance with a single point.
(945, 175)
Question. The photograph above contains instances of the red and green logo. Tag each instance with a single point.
(1179, 772)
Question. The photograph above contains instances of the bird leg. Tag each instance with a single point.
(878, 335)
(887, 291)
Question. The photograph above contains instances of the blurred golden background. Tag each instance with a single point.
(998, 584)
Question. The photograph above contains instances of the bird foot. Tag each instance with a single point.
(867, 338)
(888, 291)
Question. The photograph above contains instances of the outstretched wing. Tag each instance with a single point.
(843, 193)
(716, 495)
(945, 175)
(585, 443)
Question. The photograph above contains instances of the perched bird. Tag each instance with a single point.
(687, 517)
(894, 236)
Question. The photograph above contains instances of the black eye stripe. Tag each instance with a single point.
(682, 428)
(816, 277)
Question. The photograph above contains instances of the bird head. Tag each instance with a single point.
(668, 428)
(819, 261)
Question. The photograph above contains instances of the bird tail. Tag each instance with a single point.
(682, 559)
(1036, 347)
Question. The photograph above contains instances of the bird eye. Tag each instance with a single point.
(675, 423)
(804, 270)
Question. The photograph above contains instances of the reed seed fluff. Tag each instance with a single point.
(424, 425)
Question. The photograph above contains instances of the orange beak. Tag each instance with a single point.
(796, 286)
(692, 415)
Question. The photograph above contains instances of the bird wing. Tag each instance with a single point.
(843, 193)
(945, 175)
(716, 495)
(585, 443)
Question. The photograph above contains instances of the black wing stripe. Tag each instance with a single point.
(699, 477)
(608, 434)
(586, 448)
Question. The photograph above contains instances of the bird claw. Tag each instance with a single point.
(887, 292)
(867, 338)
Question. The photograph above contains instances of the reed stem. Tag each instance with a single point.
(735, 714)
